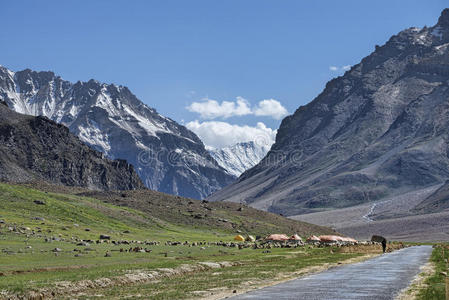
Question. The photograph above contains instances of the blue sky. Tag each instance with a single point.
(174, 53)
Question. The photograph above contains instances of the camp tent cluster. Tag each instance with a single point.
(285, 238)
(271, 237)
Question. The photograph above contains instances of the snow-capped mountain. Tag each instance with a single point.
(166, 155)
(240, 157)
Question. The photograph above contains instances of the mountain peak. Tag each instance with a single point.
(240, 157)
(363, 138)
(113, 120)
(443, 21)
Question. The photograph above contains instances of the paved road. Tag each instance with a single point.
(382, 277)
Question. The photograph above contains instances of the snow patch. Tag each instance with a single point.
(238, 158)
(93, 135)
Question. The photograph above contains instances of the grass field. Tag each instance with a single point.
(435, 285)
(52, 247)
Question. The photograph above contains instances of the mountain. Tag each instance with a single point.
(438, 201)
(378, 132)
(240, 157)
(36, 148)
(109, 118)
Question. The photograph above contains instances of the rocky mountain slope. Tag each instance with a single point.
(240, 157)
(36, 148)
(109, 118)
(379, 131)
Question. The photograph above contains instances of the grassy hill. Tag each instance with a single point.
(49, 234)
(160, 215)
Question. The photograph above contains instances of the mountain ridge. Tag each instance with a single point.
(37, 148)
(167, 156)
(368, 135)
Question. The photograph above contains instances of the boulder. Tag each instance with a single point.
(104, 237)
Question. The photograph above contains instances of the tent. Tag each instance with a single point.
(349, 240)
(330, 238)
(277, 237)
(313, 238)
(250, 238)
(239, 238)
(295, 237)
(335, 238)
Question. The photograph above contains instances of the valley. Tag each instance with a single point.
(394, 217)
(298, 150)
(63, 242)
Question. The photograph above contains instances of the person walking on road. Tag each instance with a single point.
(384, 245)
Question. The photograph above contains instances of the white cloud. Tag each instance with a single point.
(212, 109)
(270, 107)
(217, 134)
(338, 69)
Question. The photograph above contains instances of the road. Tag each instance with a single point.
(382, 277)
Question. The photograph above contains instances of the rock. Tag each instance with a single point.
(39, 202)
(38, 219)
(104, 237)
(87, 229)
